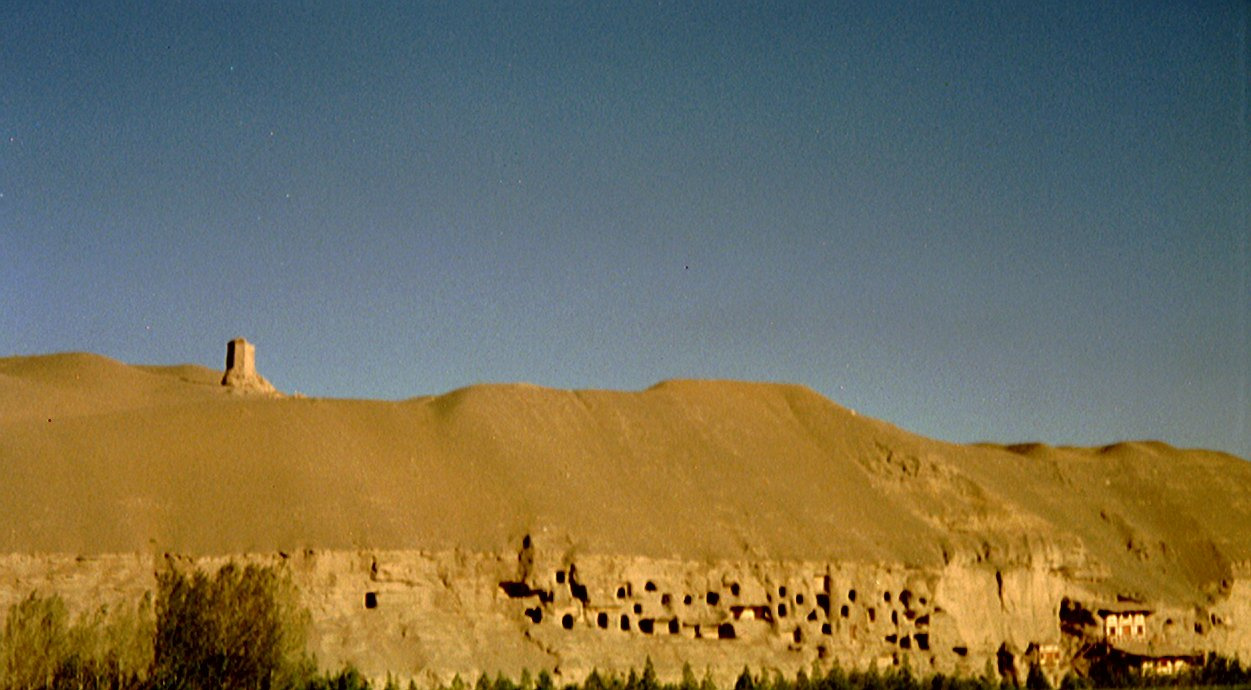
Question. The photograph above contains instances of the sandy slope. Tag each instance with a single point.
(98, 456)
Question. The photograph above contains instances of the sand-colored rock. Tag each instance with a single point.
(690, 485)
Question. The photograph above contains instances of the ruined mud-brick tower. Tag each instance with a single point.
(241, 368)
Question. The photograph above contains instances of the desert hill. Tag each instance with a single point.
(100, 457)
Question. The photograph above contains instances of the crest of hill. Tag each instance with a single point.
(75, 383)
(99, 456)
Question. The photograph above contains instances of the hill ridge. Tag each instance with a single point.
(102, 456)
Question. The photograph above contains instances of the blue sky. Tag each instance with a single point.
(978, 221)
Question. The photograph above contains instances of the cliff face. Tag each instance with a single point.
(432, 615)
(693, 487)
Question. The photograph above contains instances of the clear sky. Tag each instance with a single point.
(1002, 221)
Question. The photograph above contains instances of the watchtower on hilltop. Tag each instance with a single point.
(240, 358)
(241, 368)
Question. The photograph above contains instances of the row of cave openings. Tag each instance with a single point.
(656, 612)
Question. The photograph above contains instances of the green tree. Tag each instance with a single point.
(868, 680)
(347, 679)
(503, 682)
(688, 682)
(594, 681)
(648, 680)
(745, 681)
(1037, 680)
(240, 628)
(899, 678)
(1072, 681)
(835, 679)
(35, 643)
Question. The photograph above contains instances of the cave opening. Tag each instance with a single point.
(1075, 618)
(1006, 661)
(576, 589)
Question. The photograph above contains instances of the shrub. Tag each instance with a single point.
(41, 648)
(36, 642)
(240, 628)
